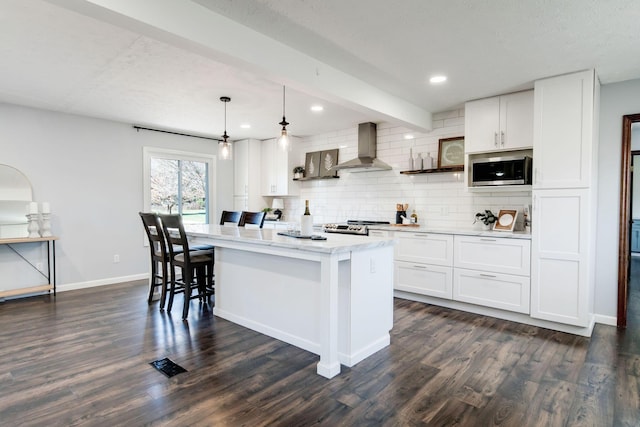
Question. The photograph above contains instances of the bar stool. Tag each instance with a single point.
(159, 255)
(229, 216)
(196, 265)
(256, 218)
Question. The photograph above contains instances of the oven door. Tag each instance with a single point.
(501, 171)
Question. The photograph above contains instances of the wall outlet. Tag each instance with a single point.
(372, 265)
(116, 259)
(39, 266)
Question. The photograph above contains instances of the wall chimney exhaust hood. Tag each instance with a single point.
(366, 160)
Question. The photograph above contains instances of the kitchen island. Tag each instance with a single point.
(331, 297)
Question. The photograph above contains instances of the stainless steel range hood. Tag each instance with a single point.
(366, 160)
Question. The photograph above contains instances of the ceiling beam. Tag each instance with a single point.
(194, 28)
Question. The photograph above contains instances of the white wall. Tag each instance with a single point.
(90, 171)
(440, 200)
(617, 100)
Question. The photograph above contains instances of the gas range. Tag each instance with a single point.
(357, 227)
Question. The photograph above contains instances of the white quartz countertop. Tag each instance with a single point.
(463, 232)
(335, 242)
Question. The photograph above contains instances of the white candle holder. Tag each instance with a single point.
(46, 225)
(33, 226)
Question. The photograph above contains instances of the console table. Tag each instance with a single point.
(51, 264)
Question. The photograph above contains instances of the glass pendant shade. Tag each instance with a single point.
(225, 150)
(283, 140)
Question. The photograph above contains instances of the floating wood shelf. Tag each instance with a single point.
(438, 170)
(313, 178)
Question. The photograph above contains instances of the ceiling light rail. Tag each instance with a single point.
(139, 128)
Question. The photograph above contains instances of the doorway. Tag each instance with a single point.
(624, 247)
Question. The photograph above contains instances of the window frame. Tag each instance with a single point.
(168, 154)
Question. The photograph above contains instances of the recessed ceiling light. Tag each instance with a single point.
(317, 108)
(438, 79)
(245, 126)
(408, 136)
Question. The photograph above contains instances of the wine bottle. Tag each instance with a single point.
(306, 221)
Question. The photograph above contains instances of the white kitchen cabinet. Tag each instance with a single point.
(562, 273)
(500, 123)
(247, 161)
(494, 254)
(503, 291)
(564, 137)
(277, 170)
(564, 201)
(425, 279)
(424, 264)
(493, 272)
(425, 248)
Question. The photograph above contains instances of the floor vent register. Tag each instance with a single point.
(167, 367)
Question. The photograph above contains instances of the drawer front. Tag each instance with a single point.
(380, 233)
(498, 255)
(435, 249)
(501, 291)
(432, 280)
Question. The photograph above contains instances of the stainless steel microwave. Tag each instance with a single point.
(492, 171)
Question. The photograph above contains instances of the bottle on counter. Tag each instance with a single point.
(414, 217)
(306, 221)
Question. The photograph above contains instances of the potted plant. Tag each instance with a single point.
(298, 172)
(487, 218)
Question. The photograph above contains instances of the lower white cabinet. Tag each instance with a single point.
(493, 272)
(424, 279)
(503, 291)
(423, 264)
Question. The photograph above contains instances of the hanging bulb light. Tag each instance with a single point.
(283, 140)
(224, 146)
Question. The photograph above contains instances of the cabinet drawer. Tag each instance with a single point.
(380, 233)
(427, 248)
(493, 254)
(432, 280)
(503, 291)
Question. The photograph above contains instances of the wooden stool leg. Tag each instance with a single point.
(152, 281)
(187, 278)
(164, 285)
(172, 288)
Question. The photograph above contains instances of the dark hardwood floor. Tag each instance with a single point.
(83, 359)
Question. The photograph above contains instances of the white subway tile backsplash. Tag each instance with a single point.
(440, 200)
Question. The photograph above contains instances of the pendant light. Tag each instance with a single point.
(224, 146)
(283, 141)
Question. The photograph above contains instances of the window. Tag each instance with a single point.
(180, 183)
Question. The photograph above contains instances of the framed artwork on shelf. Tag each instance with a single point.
(451, 152)
(312, 165)
(506, 220)
(328, 159)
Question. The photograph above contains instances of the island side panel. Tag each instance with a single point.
(370, 307)
(275, 295)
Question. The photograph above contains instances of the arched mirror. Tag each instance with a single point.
(15, 195)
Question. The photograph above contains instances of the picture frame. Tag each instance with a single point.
(506, 220)
(451, 152)
(312, 165)
(328, 159)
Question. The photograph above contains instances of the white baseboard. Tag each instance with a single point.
(606, 320)
(100, 282)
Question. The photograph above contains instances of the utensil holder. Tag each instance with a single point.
(399, 215)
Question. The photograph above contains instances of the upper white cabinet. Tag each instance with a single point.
(247, 161)
(500, 123)
(277, 175)
(564, 131)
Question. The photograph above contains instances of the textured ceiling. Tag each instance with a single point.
(91, 58)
